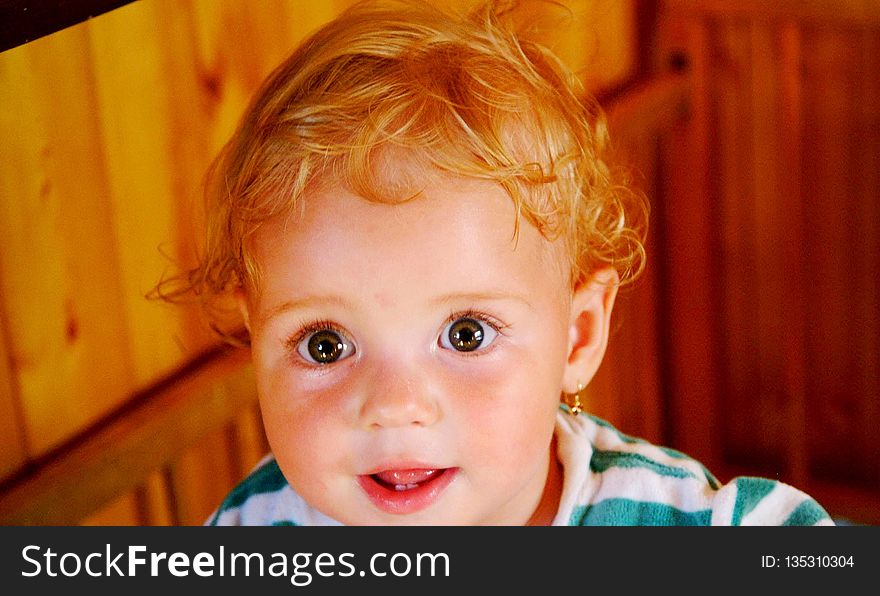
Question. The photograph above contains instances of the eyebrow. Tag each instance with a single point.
(309, 301)
(481, 297)
(304, 302)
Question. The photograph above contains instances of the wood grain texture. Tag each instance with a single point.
(687, 220)
(866, 251)
(124, 454)
(814, 11)
(837, 208)
(794, 269)
(13, 450)
(629, 386)
(736, 234)
(67, 331)
(793, 109)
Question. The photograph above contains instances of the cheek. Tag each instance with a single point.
(290, 399)
(299, 423)
(508, 411)
(298, 438)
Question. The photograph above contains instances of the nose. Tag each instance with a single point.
(398, 397)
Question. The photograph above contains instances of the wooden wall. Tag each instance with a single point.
(107, 128)
(768, 217)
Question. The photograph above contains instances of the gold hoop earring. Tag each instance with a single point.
(573, 400)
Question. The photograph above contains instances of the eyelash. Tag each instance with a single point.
(477, 316)
(312, 327)
(316, 325)
(482, 317)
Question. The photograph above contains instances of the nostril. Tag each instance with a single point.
(400, 410)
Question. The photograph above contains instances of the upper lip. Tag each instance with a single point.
(402, 465)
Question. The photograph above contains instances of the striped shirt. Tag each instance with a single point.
(609, 479)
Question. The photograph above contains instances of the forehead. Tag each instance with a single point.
(457, 234)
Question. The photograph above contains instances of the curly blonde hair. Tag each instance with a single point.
(462, 93)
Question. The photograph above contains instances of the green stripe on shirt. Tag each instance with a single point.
(623, 437)
(603, 460)
(749, 492)
(265, 479)
(807, 513)
(626, 512)
(710, 478)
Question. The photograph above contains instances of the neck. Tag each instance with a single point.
(549, 504)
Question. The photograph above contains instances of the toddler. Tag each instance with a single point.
(416, 223)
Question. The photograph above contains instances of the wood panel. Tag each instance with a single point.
(122, 511)
(842, 341)
(201, 477)
(187, 489)
(13, 451)
(866, 251)
(156, 506)
(134, 91)
(629, 386)
(794, 272)
(685, 224)
(792, 104)
(821, 11)
(123, 453)
(69, 347)
(736, 277)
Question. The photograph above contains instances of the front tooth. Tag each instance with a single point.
(399, 487)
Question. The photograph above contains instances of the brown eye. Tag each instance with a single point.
(464, 335)
(324, 347)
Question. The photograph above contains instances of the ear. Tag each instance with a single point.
(589, 326)
(241, 300)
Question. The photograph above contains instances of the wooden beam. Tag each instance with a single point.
(649, 108)
(122, 453)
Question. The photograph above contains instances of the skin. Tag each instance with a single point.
(391, 278)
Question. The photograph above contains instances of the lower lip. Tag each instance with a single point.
(401, 502)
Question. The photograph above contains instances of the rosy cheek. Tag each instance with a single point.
(516, 393)
(298, 425)
(285, 384)
(479, 390)
(299, 404)
(286, 420)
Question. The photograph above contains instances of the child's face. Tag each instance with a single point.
(444, 342)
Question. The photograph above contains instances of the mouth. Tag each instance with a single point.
(406, 490)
